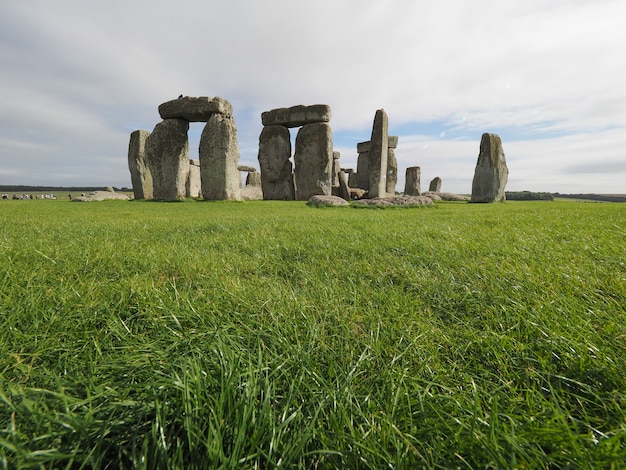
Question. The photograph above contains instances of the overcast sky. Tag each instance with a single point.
(76, 78)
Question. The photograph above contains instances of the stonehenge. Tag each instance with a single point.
(161, 169)
(159, 160)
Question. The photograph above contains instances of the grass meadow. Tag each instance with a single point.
(266, 334)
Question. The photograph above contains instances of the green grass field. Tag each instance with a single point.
(263, 334)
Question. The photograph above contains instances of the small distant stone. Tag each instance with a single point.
(251, 193)
(396, 201)
(320, 200)
(100, 196)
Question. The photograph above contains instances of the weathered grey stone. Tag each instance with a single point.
(491, 174)
(253, 178)
(249, 169)
(192, 109)
(434, 196)
(321, 200)
(352, 181)
(276, 170)
(344, 190)
(251, 193)
(336, 169)
(412, 184)
(194, 182)
(363, 147)
(392, 171)
(296, 116)
(313, 161)
(452, 197)
(219, 156)
(167, 157)
(409, 201)
(100, 196)
(435, 185)
(377, 156)
(140, 175)
(362, 173)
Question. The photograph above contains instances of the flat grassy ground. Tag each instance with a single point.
(257, 334)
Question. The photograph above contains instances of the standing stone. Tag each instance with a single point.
(362, 173)
(194, 183)
(219, 156)
(412, 185)
(392, 171)
(435, 185)
(352, 180)
(377, 158)
(344, 190)
(336, 169)
(167, 156)
(253, 179)
(491, 174)
(276, 169)
(140, 175)
(313, 161)
(192, 109)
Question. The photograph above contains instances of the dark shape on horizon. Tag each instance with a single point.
(180, 96)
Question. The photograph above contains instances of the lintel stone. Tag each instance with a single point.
(296, 116)
(194, 109)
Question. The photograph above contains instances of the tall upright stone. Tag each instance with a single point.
(219, 157)
(140, 175)
(336, 169)
(435, 185)
(352, 181)
(344, 190)
(253, 179)
(412, 184)
(491, 174)
(277, 181)
(377, 156)
(362, 172)
(194, 182)
(167, 157)
(392, 172)
(313, 161)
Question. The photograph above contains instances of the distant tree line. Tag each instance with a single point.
(40, 189)
(528, 196)
(595, 197)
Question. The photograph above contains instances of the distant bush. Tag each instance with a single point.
(528, 196)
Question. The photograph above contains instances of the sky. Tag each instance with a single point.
(549, 77)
